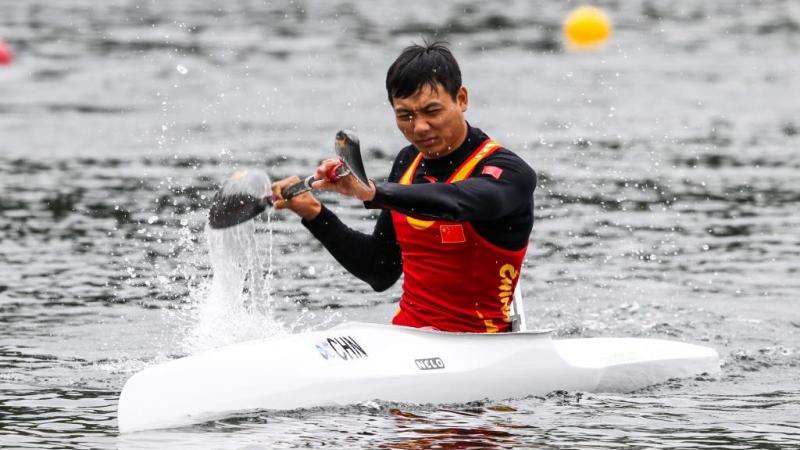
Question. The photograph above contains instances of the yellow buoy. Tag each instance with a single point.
(586, 27)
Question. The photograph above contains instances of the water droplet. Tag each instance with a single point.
(182, 69)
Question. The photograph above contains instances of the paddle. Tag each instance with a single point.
(248, 192)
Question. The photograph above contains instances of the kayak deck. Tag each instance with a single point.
(358, 362)
(628, 364)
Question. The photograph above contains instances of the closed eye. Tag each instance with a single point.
(432, 111)
(404, 116)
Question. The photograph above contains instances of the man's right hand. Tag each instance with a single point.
(304, 205)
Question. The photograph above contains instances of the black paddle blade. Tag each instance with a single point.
(246, 194)
(348, 148)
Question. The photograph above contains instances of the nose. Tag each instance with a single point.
(420, 126)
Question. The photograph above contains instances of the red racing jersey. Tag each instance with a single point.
(454, 279)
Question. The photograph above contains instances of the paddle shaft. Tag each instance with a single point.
(334, 173)
(298, 188)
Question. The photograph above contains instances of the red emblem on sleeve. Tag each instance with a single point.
(493, 171)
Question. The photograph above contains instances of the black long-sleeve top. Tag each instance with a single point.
(499, 208)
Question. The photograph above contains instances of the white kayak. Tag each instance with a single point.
(358, 362)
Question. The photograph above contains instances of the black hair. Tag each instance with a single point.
(418, 66)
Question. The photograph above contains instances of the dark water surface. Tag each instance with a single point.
(669, 171)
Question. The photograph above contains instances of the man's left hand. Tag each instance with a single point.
(347, 185)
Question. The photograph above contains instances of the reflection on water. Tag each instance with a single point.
(446, 429)
(666, 207)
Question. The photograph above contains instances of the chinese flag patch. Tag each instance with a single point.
(493, 171)
(452, 234)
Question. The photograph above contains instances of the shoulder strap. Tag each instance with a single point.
(408, 176)
(488, 147)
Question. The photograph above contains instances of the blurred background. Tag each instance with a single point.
(668, 188)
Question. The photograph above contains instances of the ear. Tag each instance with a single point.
(462, 99)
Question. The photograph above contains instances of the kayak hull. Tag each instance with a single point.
(357, 362)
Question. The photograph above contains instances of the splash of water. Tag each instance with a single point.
(237, 305)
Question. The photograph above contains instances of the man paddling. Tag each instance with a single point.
(456, 210)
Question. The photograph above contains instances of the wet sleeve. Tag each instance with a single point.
(373, 258)
(503, 184)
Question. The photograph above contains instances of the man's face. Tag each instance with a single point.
(432, 121)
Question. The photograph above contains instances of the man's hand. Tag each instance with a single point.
(304, 205)
(347, 185)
